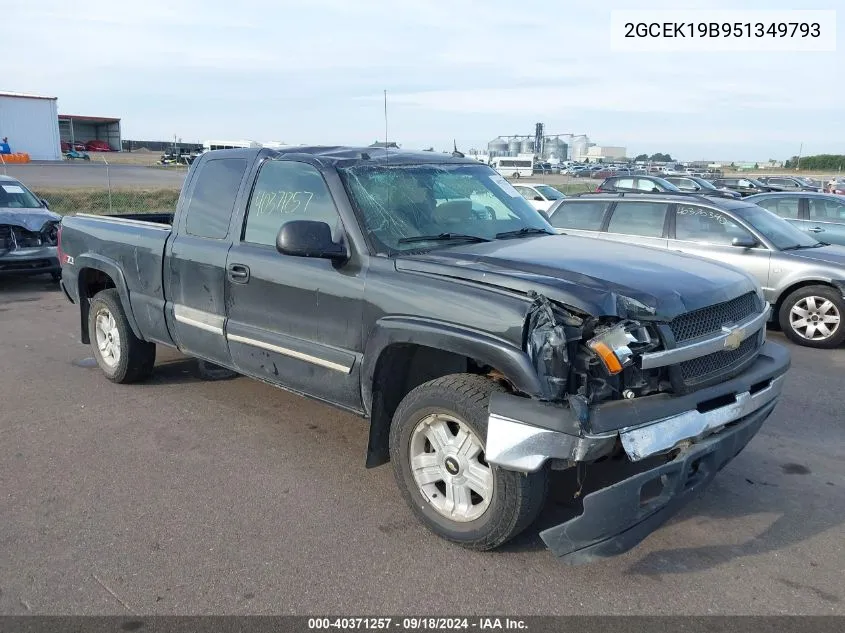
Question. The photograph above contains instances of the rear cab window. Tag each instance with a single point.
(585, 215)
(213, 198)
(646, 219)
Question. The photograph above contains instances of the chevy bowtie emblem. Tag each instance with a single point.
(735, 337)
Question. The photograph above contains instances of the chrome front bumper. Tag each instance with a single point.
(526, 443)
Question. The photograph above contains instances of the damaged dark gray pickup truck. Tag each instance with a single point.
(423, 292)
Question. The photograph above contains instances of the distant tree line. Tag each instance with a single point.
(655, 158)
(820, 161)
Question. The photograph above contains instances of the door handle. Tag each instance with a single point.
(238, 273)
(816, 229)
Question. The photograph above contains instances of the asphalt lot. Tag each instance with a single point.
(181, 496)
(92, 175)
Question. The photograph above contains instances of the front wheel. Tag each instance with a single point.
(437, 443)
(812, 316)
(515, 175)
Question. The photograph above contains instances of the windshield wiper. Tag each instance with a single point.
(443, 237)
(528, 230)
(798, 247)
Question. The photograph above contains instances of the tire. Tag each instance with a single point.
(458, 404)
(210, 371)
(823, 306)
(516, 175)
(123, 357)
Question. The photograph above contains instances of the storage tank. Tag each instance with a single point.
(554, 148)
(527, 146)
(514, 147)
(497, 147)
(579, 146)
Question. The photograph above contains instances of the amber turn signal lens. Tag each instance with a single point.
(607, 357)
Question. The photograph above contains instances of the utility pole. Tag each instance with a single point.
(800, 149)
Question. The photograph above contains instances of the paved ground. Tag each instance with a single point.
(179, 496)
(88, 175)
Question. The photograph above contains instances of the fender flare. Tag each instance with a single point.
(111, 268)
(512, 361)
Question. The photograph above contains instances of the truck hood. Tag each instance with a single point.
(597, 277)
(30, 219)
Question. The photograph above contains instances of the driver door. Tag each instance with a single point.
(294, 321)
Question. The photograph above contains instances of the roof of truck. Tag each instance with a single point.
(346, 156)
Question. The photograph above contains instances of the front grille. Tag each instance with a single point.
(710, 320)
(701, 369)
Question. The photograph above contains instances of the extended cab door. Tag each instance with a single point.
(706, 232)
(294, 321)
(195, 259)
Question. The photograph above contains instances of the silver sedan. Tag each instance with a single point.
(803, 278)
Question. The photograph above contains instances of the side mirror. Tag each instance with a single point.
(539, 198)
(744, 242)
(308, 238)
(45, 204)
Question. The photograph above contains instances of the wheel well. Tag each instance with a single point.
(402, 367)
(790, 290)
(91, 281)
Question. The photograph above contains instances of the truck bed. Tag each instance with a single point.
(129, 248)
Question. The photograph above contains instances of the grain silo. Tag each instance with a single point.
(527, 146)
(554, 148)
(514, 146)
(497, 147)
(578, 147)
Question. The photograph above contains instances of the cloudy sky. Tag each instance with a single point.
(314, 71)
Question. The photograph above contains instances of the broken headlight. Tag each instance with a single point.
(613, 344)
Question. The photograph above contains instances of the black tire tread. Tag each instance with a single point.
(140, 354)
(526, 491)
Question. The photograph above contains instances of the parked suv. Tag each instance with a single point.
(744, 186)
(694, 184)
(821, 214)
(803, 278)
(649, 184)
(788, 183)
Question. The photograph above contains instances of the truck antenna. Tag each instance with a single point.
(385, 122)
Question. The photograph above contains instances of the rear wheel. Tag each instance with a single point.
(122, 356)
(812, 316)
(437, 443)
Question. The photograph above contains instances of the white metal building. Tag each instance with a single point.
(31, 124)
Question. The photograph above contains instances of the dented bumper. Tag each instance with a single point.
(618, 517)
(708, 427)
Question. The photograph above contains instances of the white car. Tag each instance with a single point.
(540, 195)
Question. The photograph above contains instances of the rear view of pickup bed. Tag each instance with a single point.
(424, 293)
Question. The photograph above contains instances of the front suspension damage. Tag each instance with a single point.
(552, 337)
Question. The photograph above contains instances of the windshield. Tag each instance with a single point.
(549, 192)
(705, 184)
(777, 230)
(407, 201)
(13, 195)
